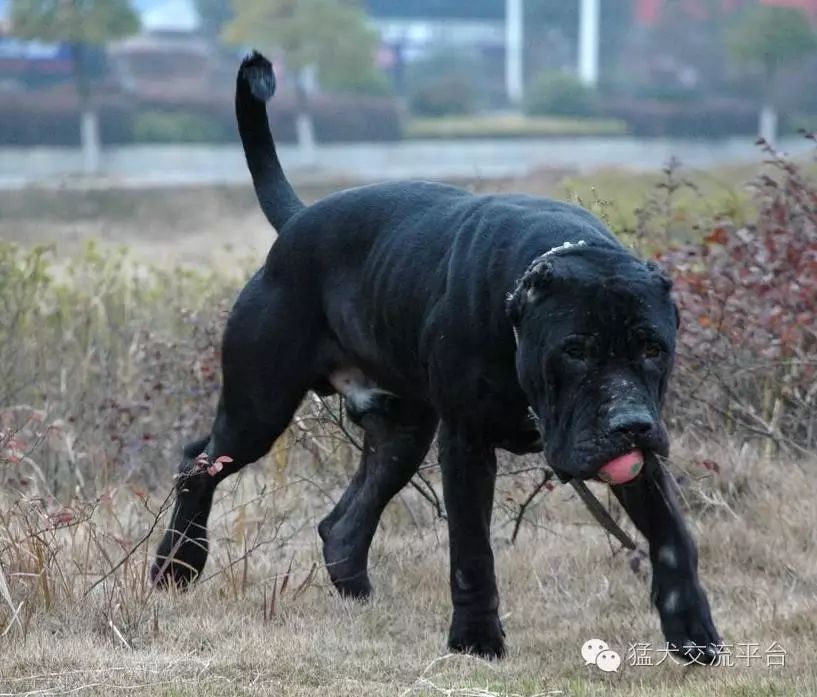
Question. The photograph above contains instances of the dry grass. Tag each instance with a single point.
(201, 226)
(257, 626)
(198, 225)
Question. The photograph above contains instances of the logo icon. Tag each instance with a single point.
(598, 653)
(608, 661)
(591, 649)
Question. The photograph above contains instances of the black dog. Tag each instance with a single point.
(424, 304)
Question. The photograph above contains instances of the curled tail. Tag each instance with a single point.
(254, 86)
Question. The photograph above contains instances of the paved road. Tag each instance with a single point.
(150, 165)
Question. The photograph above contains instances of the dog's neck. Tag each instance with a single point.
(565, 246)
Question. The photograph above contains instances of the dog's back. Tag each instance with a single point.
(385, 221)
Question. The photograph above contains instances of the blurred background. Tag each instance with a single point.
(140, 91)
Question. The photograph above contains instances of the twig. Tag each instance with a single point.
(164, 506)
(523, 507)
(430, 495)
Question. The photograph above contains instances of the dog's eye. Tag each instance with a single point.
(577, 351)
(652, 349)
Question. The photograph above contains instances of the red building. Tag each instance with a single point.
(649, 11)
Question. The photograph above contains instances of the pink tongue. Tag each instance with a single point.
(623, 468)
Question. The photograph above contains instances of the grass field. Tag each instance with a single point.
(82, 509)
(562, 583)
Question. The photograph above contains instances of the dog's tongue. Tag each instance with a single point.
(623, 468)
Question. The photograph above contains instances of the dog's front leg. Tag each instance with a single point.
(469, 473)
(676, 590)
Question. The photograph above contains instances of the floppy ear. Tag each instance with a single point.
(659, 272)
(514, 306)
(527, 288)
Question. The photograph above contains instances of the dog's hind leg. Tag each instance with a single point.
(393, 448)
(268, 366)
(182, 554)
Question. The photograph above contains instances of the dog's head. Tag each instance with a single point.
(596, 339)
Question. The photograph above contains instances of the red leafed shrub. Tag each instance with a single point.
(747, 351)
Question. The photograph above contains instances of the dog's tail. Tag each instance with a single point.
(254, 86)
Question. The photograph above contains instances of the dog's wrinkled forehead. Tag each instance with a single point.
(576, 268)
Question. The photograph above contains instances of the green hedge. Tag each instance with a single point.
(559, 94)
(32, 121)
(153, 126)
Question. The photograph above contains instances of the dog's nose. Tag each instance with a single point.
(636, 422)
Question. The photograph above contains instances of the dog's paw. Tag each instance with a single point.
(165, 575)
(687, 624)
(481, 636)
(179, 561)
(693, 653)
(357, 587)
(347, 569)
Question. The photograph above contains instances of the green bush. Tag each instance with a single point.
(559, 94)
(677, 94)
(371, 83)
(445, 96)
(176, 127)
(443, 84)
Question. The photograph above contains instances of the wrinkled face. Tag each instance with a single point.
(596, 331)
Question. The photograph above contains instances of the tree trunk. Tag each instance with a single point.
(89, 138)
(305, 131)
(514, 51)
(767, 123)
(304, 126)
(89, 120)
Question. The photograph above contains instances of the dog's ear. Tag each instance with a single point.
(533, 281)
(660, 274)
